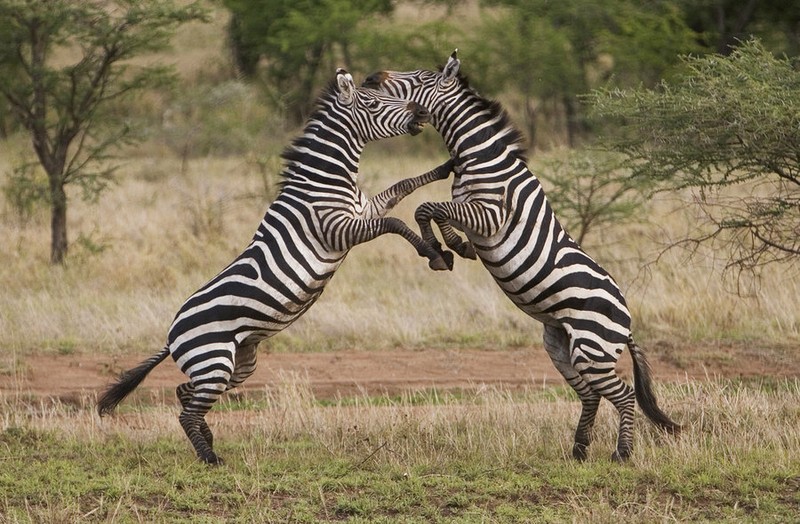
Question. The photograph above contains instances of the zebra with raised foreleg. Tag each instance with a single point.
(319, 214)
(501, 207)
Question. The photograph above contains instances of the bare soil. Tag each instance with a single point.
(347, 373)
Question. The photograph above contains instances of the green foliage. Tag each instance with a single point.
(590, 190)
(26, 190)
(301, 43)
(550, 52)
(62, 64)
(728, 120)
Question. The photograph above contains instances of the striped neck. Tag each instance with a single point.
(326, 152)
(474, 128)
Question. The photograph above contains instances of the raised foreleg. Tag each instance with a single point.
(342, 233)
(482, 218)
(384, 201)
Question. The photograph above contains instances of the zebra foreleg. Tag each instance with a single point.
(353, 231)
(384, 201)
(453, 240)
(423, 216)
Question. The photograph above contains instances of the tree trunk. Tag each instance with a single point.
(58, 224)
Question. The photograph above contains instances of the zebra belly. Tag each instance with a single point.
(546, 275)
(256, 297)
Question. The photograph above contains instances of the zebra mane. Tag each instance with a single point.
(292, 153)
(514, 139)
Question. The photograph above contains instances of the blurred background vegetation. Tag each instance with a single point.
(200, 162)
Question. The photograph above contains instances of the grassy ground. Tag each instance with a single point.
(179, 214)
(486, 456)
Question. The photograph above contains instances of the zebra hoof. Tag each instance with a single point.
(620, 458)
(212, 459)
(580, 452)
(466, 250)
(442, 263)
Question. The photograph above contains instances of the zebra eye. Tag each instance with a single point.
(373, 104)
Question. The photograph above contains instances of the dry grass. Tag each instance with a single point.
(160, 234)
(485, 456)
(172, 222)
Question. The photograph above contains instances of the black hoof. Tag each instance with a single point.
(579, 452)
(465, 250)
(620, 458)
(448, 259)
(212, 460)
(442, 263)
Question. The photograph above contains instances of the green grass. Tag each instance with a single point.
(489, 456)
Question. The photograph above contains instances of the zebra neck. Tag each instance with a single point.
(323, 157)
(478, 130)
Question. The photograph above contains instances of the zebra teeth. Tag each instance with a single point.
(415, 128)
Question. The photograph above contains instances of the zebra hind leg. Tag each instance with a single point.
(601, 376)
(184, 393)
(192, 418)
(557, 344)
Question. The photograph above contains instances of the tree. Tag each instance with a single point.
(721, 24)
(591, 189)
(551, 52)
(729, 129)
(62, 64)
(294, 39)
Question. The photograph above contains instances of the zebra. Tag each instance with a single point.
(502, 209)
(317, 216)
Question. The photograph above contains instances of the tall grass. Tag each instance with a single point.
(162, 232)
(486, 456)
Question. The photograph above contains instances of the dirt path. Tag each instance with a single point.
(346, 373)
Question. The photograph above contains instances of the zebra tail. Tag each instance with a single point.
(643, 387)
(127, 382)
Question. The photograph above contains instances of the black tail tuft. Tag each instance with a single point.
(643, 386)
(127, 382)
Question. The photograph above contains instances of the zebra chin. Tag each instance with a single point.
(415, 128)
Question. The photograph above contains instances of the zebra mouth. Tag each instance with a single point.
(415, 128)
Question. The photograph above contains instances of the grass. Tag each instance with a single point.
(187, 202)
(159, 234)
(487, 456)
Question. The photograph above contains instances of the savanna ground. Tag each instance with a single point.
(403, 395)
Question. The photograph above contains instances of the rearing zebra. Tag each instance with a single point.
(319, 214)
(501, 207)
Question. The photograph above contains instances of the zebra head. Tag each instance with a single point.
(435, 90)
(375, 115)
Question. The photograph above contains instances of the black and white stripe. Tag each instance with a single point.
(501, 207)
(319, 214)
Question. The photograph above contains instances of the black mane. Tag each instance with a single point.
(292, 152)
(514, 139)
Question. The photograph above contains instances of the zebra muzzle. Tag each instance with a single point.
(421, 117)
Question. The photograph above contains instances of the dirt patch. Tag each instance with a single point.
(347, 373)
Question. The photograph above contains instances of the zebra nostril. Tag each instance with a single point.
(420, 112)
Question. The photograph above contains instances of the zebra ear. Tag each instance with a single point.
(346, 86)
(450, 70)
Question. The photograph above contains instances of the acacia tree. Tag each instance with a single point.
(729, 129)
(592, 189)
(62, 63)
